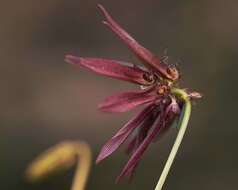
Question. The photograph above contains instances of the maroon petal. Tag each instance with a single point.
(143, 146)
(132, 145)
(172, 111)
(123, 133)
(131, 171)
(111, 68)
(125, 101)
(142, 132)
(142, 53)
(135, 143)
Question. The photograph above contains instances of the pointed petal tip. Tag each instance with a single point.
(68, 56)
(108, 110)
(72, 59)
(101, 156)
(103, 108)
(104, 153)
(101, 8)
(128, 174)
(98, 160)
(105, 14)
(118, 179)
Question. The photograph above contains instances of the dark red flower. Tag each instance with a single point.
(155, 79)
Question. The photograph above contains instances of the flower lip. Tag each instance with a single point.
(173, 107)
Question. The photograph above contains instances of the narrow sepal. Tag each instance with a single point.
(126, 101)
(142, 132)
(112, 68)
(149, 59)
(115, 142)
(143, 146)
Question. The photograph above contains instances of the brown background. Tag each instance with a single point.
(43, 100)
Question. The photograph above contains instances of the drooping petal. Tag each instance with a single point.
(143, 146)
(124, 132)
(125, 101)
(112, 68)
(131, 171)
(142, 53)
(142, 132)
(132, 145)
(138, 139)
(171, 114)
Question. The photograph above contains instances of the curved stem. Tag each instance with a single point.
(83, 167)
(61, 157)
(182, 128)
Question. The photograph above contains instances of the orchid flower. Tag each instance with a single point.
(158, 93)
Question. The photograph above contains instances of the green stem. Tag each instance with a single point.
(182, 128)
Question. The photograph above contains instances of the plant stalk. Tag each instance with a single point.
(182, 128)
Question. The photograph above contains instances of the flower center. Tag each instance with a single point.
(161, 86)
(150, 78)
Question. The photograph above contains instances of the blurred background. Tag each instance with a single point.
(44, 100)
